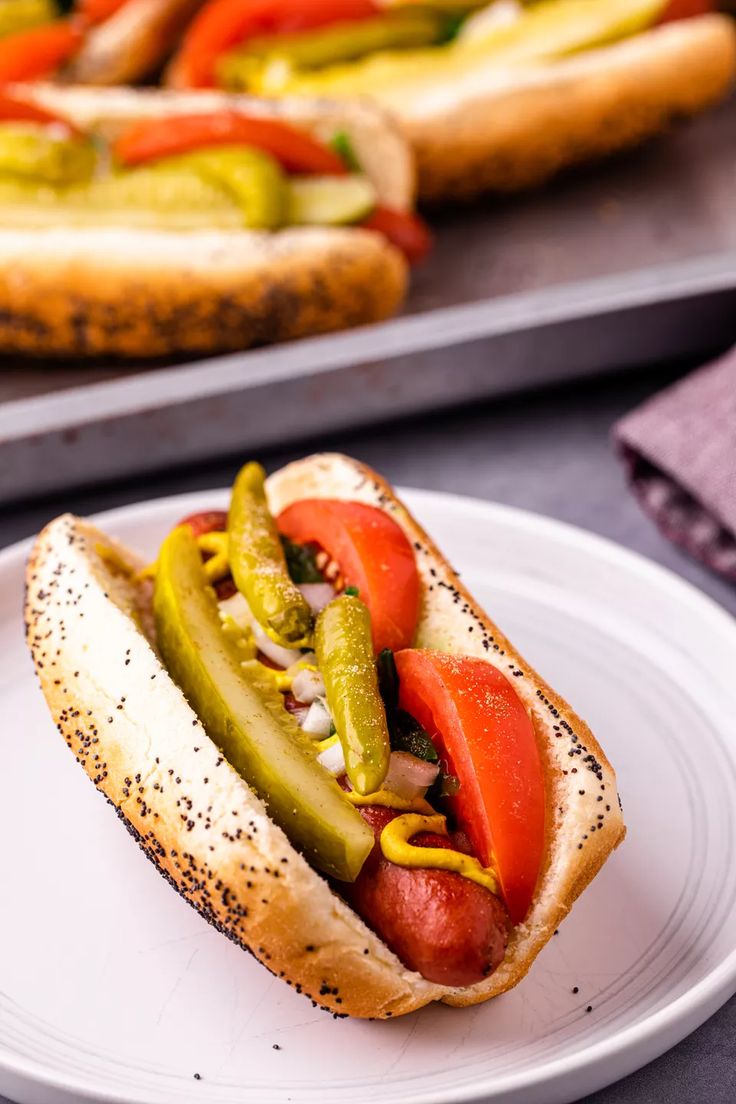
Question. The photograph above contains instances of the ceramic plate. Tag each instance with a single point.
(112, 988)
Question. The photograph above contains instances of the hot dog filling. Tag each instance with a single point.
(344, 47)
(38, 38)
(221, 170)
(441, 821)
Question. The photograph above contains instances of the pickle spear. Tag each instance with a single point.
(258, 564)
(31, 152)
(344, 647)
(254, 66)
(247, 720)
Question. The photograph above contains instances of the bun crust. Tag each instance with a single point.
(503, 131)
(132, 44)
(88, 292)
(138, 740)
(92, 291)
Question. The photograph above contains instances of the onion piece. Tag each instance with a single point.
(318, 721)
(317, 595)
(307, 685)
(408, 776)
(332, 759)
(284, 657)
(237, 609)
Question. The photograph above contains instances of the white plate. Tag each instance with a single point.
(112, 988)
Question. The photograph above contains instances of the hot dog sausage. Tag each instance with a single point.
(449, 929)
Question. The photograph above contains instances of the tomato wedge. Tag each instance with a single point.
(223, 24)
(374, 555)
(97, 11)
(480, 727)
(206, 521)
(12, 110)
(37, 53)
(685, 9)
(297, 151)
(404, 230)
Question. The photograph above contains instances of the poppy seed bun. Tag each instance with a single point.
(137, 292)
(137, 738)
(496, 130)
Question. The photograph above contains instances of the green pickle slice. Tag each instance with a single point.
(330, 200)
(554, 28)
(258, 564)
(344, 648)
(265, 63)
(245, 717)
(544, 31)
(32, 152)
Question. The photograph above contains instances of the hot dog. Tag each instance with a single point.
(492, 97)
(424, 850)
(97, 42)
(451, 931)
(153, 224)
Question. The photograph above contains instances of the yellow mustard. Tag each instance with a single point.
(396, 848)
(218, 566)
(391, 801)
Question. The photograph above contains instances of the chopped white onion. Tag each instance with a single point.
(332, 759)
(318, 721)
(284, 657)
(237, 609)
(307, 685)
(318, 595)
(408, 776)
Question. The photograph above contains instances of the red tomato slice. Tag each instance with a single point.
(97, 11)
(685, 9)
(223, 24)
(12, 110)
(207, 521)
(405, 230)
(38, 53)
(297, 151)
(374, 555)
(480, 727)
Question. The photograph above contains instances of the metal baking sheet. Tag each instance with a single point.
(612, 266)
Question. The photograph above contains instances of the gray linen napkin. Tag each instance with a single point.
(679, 449)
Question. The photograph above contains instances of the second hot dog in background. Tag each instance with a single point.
(491, 98)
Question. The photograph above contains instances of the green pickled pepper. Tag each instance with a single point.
(258, 563)
(344, 648)
(244, 715)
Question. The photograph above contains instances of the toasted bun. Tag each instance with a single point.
(132, 44)
(132, 730)
(90, 291)
(501, 130)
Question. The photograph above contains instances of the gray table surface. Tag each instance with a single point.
(549, 453)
